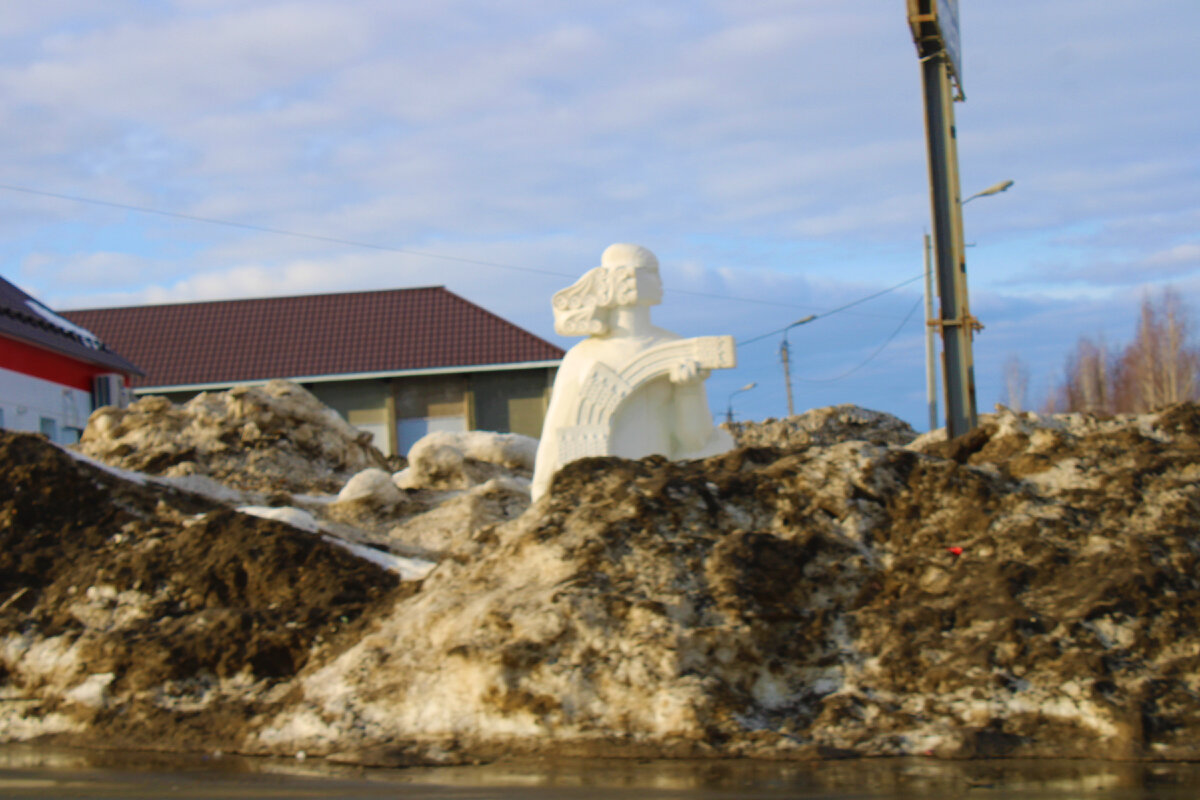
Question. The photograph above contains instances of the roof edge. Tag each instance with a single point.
(351, 376)
(105, 358)
(230, 300)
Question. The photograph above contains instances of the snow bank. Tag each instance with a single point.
(372, 485)
(824, 427)
(272, 438)
(459, 460)
(848, 597)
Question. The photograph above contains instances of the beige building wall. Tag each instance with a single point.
(512, 402)
(362, 403)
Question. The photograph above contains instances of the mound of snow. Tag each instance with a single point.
(459, 460)
(273, 438)
(823, 427)
(372, 485)
(459, 524)
(988, 599)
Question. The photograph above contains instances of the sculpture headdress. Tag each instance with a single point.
(583, 308)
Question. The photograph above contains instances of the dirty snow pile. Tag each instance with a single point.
(275, 451)
(445, 460)
(134, 614)
(1029, 589)
(455, 485)
(823, 426)
(272, 438)
(465, 484)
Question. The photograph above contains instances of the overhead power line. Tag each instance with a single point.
(382, 247)
(276, 231)
(832, 311)
(871, 357)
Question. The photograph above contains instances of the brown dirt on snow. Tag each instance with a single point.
(1029, 589)
(1032, 589)
(170, 594)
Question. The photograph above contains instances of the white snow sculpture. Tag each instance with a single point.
(629, 389)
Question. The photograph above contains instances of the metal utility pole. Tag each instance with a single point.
(734, 393)
(785, 357)
(787, 373)
(930, 324)
(934, 26)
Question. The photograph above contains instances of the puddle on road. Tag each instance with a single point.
(27, 771)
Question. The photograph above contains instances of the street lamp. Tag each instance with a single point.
(930, 369)
(1002, 186)
(729, 406)
(785, 357)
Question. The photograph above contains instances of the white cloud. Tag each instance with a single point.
(174, 68)
(769, 149)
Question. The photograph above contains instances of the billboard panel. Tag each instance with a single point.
(947, 22)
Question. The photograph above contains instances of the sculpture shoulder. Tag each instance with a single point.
(599, 345)
(612, 351)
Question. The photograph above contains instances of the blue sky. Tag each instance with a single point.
(771, 153)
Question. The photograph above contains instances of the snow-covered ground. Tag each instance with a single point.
(839, 586)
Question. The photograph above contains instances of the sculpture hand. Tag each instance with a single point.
(688, 371)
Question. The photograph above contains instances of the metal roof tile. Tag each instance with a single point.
(332, 334)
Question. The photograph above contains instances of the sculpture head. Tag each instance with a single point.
(627, 277)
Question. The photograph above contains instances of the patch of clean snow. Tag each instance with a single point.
(409, 569)
(304, 726)
(372, 484)
(38, 659)
(15, 726)
(124, 474)
(510, 450)
(93, 691)
(90, 339)
(203, 486)
(444, 455)
(296, 517)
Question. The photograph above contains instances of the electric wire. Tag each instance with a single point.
(354, 243)
(277, 231)
(871, 357)
(833, 311)
(480, 262)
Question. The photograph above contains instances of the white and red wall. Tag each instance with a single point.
(42, 391)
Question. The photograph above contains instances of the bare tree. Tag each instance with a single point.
(1016, 384)
(1160, 366)
(1087, 380)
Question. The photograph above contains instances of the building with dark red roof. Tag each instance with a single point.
(53, 372)
(397, 363)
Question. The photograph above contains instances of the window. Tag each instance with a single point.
(49, 427)
(409, 430)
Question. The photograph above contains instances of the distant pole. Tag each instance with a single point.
(735, 392)
(787, 373)
(930, 323)
(785, 357)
